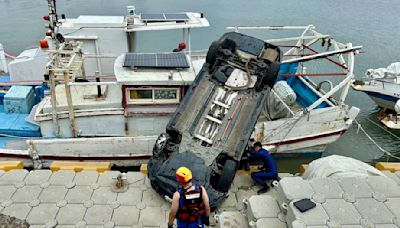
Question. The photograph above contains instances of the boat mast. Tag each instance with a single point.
(53, 23)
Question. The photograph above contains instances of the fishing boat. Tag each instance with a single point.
(306, 110)
(111, 103)
(89, 115)
(382, 85)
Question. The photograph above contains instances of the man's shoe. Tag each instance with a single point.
(264, 189)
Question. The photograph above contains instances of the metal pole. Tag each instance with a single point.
(98, 59)
(271, 27)
(330, 93)
(350, 75)
(280, 40)
(189, 42)
(83, 68)
(98, 86)
(69, 102)
(322, 55)
(56, 126)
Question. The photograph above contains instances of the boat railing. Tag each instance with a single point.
(338, 54)
(395, 81)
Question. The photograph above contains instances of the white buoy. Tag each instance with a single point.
(397, 106)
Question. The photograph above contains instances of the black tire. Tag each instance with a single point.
(227, 175)
(273, 71)
(212, 52)
(175, 135)
(158, 151)
(229, 44)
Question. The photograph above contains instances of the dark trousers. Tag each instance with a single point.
(262, 176)
(184, 224)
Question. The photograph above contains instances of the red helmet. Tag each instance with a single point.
(182, 45)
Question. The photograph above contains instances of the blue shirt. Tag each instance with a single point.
(269, 162)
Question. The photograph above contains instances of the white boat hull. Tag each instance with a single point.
(309, 135)
(385, 95)
(120, 151)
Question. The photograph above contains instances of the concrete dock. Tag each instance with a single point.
(85, 199)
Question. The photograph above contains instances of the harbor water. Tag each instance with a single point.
(373, 24)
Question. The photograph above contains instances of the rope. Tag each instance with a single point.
(387, 153)
(397, 137)
(292, 121)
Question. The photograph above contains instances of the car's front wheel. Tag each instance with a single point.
(227, 176)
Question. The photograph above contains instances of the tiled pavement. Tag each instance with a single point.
(84, 199)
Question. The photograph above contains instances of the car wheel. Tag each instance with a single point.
(227, 175)
(174, 135)
(270, 77)
(212, 52)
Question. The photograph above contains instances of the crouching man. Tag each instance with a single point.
(269, 171)
(190, 204)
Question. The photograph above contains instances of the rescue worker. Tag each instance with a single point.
(190, 204)
(269, 170)
(181, 47)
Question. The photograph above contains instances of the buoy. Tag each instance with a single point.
(44, 44)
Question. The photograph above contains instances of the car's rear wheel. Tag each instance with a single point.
(212, 52)
(270, 77)
(227, 175)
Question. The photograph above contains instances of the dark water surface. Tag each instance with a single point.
(373, 24)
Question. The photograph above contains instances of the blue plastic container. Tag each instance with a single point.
(19, 99)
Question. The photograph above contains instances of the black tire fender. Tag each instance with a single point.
(227, 175)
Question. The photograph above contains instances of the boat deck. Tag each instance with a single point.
(85, 199)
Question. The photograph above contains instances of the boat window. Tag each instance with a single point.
(136, 94)
(150, 96)
(165, 94)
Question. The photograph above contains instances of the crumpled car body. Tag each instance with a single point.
(210, 130)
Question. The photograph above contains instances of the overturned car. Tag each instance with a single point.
(210, 130)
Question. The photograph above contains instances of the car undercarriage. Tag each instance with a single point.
(210, 130)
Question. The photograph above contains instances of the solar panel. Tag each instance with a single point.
(160, 17)
(176, 16)
(152, 17)
(160, 60)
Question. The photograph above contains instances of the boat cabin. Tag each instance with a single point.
(145, 92)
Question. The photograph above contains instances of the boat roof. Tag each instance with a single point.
(195, 20)
(94, 21)
(155, 76)
(135, 23)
